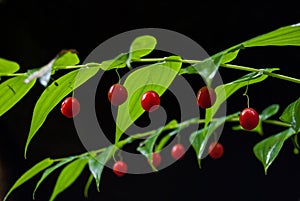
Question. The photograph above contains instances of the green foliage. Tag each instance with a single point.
(30, 173)
(97, 163)
(268, 149)
(50, 170)
(199, 138)
(291, 115)
(53, 94)
(68, 175)
(12, 91)
(157, 77)
(7, 66)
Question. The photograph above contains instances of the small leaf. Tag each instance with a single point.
(269, 112)
(118, 62)
(30, 173)
(157, 77)
(53, 94)
(206, 68)
(67, 59)
(267, 150)
(199, 138)
(291, 115)
(7, 67)
(48, 171)
(68, 175)
(146, 147)
(87, 186)
(141, 46)
(12, 91)
(96, 164)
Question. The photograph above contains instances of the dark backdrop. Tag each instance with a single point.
(32, 32)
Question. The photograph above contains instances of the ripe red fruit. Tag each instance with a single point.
(120, 168)
(70, 107)
(150, 101)
(117, 94)
(249, 118)
(177, 151)
(215, 150)
(156, 159)
(206, 97)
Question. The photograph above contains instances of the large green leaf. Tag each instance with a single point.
(199, 138)
(223, 92)
(53, 94)
(12, 91)
(267, 150)
(157, 77)
(30, 173)
(7, 66)
(49, 170)
(287, 35)
(97, 163)
(68, 175)
(118, 62)
(291, 115)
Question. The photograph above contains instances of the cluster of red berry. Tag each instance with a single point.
(150, 101)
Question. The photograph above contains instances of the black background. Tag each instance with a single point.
(32, 32)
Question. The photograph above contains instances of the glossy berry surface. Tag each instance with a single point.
(215, 150)
(206, 97)
(150, 101)
(249, 118)
(70, 107)
(177, 151)
(120, 168)
(156, 159)
(117, 94)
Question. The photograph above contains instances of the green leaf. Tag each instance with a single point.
(53, 94)
(118, 62)
(223, 92)
(267, 150)
(146, 147)
(48, 171)
(206, 68)
(230, 55)
(199, 139)
(67, 59)
(291, 115)
(87, 186)
(269, 112)
(141, 46)
(287, 35)
(30, 173)
(96, 164)
(7, 67)
(68, 175)
(157, 77)
(12, 91)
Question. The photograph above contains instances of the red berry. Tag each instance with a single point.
(150, 101)
(249, 118)
(120, 168)
(117, 94)
(156, 159)
(215, 150)
(178, 151)
(70, 107)
(206, 97)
